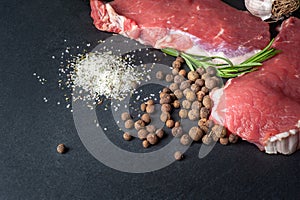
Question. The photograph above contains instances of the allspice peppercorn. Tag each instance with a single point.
(146, 144)
(195, 88)
(233, 138)
(176, 104)
(178, 155)
(224, 141)
(139, 124)
(182, 72)
(200, 82)
(178, 79)
(61, 148)
(196, 105)
(190, 95)
(193, 75)
(193, 115)
(185, 139)
(207, 102)
(183, 113)
(150, 108)
(184, 85)
(169, 78)
(151, 128)
(180, 59)
(173, 87)
(146, 118)
(176, 64)
(170, 123)
(152, 138)
(143, 107)
(166, 107)
(127, 136)
(175, 71)
(160, 133)
(159, 75)
(200, 70)
(177, 124)
(129, 123)
(166, 98)
(178, 93)
(204, 112)
(150, 102)
(195, 133)
(165, 116)
(125, 116)
(186, 104)
(206, 140)
(142, 134)
(177, 131)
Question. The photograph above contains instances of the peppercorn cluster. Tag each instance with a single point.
(189, 93)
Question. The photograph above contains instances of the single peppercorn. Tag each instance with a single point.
(170, 123)
(129, 123)
(139, 124)
(173, 87)
(200, 82)
(150, 102)
(183, 113)
(152, 138)
(178, 94)
(233, 138)
(224, 141)
(159, 75)
(204, 112)
(166, 90)
(195, 88)
(196, 105)
(184, 85)
(151, 128)
(180, 59)
(61, 148)
(178, 79)
(166, 107)
(160, 133)
(193, 75)
(165, 116)
(185, 139)
(190, 95)
(127, 136)
(175, 71)
(142, 134)
(193, 115)
(176, 64)
(182, 72)
(176, 104)
(177, 124)
(125, 116)
(143, 107)
(207, 102)
(195, 133)
(169, 78)
(178, 155)
(146, 118)
(146, 144)
(206, 140)
(177, 131)
(166, 98)
(150, 108)
(186, 104)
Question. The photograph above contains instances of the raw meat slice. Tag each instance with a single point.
(263, 107)
(206, 27)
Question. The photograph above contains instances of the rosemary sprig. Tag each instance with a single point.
(225, 68)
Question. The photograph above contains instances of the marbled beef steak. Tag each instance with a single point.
(206, 27)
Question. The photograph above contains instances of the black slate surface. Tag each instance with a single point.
(31, 33)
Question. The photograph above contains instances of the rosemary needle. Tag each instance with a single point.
(226, 69)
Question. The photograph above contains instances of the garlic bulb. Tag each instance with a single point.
(271, 9)
(260, 8)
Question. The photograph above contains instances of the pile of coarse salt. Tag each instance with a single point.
(105, 74)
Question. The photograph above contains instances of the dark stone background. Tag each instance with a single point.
(31, 33)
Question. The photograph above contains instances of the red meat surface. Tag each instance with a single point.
(263, 107)
(206, 27)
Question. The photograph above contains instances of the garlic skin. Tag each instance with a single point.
(260, 8)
